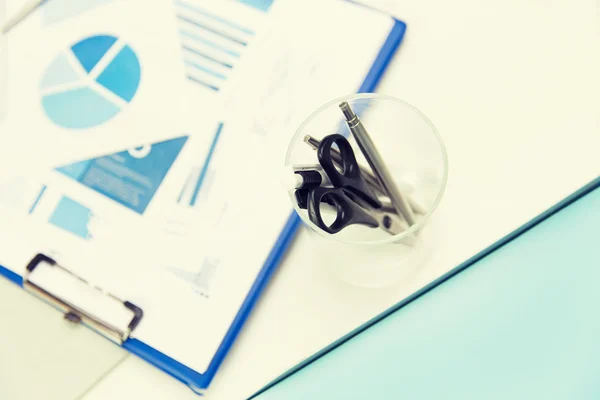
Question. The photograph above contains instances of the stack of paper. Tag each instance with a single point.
(141, 145)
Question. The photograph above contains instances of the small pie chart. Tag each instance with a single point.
(90, 83)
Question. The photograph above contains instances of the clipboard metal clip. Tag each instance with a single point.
(77, 314)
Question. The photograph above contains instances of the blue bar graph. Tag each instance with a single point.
(212, 41)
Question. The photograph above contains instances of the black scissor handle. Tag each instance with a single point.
(350, 178)
(348, 211)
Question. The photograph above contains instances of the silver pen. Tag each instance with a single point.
(376, 163)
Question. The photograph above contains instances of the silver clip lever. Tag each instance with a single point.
(76, 314)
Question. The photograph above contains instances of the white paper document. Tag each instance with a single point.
(156, 148)
(94, 83)
(520, 122)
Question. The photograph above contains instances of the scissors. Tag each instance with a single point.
(351, 196)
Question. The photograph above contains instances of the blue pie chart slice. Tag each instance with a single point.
(91, 50)
(79, 108)
(60, 72)
(98, 98)
(122, 75)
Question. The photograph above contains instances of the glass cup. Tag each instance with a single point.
(416, 159)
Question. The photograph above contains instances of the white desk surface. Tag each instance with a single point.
(513, 88)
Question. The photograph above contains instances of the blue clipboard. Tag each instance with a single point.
(200, 382)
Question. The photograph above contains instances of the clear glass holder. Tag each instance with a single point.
(416, 158)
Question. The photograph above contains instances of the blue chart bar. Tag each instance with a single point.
(199, 53)
(206, 164)
(199, 82)
(188, 183)
(37, 199)
(208, 71)
(210, 29)
(209, 43)
(215, 17)
(73, 217)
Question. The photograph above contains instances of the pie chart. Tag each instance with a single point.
(90, 83)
